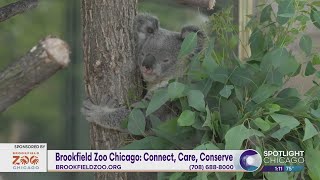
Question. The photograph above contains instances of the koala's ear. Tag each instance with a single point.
(145, 25)
(200, 34)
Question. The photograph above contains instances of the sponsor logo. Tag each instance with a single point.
(250, 160)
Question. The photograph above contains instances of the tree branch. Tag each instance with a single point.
(19, 7)
(40, 63)
(209, 4)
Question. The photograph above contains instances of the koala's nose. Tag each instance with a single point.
(149, 61)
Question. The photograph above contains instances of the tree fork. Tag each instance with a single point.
(40, 63)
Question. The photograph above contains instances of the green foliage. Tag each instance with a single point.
(226, 103)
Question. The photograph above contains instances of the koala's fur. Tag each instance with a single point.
(157, 56)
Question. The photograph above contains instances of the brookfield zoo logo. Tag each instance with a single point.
(25, 160)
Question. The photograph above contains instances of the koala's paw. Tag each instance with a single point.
(95, 113)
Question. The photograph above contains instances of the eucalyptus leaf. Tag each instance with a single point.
(276, 176)
(209, 64)
(315, 112)
(187, 118)
(175, 90)
(142, 144)
(285, 120)
(285, 10)
(315, 17)
(316, 59)
(175, 176)
(226, 91)
(309, 69)
(264, 92)
(196, 100)
(306, 44)
(208, 122)
(312, 157)
(280, 133)
(188, 44)
(266, 14)
(236, 135)
(136, 122)
(281, 60)
(159, 98)
(309, 130)
(262, 124)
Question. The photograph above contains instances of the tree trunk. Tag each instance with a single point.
(40, 63)
(110, 69)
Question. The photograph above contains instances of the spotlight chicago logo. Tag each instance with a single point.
(283, 157)
(25, 160)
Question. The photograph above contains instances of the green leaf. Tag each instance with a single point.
(202, 176)
(310, 131)
(220, 75)
(175, 90)
(236, 135)
(207, 146)
(228, 112)
(315, 17)
(239, 94)
(309, 69)
(188, 45)
(257, 43)
(312, 157)
(281, 60)
(136, 122)
(285, 120)
(263, 93)
(159, 98)
(280, 133)
(208, 122)
(266, 14)
(273, 108)
(306, 44)
(196, 100)
(285, 8)
(155, 121)
(276, 176)
(287, 123)
(241, 76)
(316, 113)
(209, 64)
(262, 124)
(316, 59)
(176, 176)
(274, 77)
(226, 91)
(187, 118)
(141, 144)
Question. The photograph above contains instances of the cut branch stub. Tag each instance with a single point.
(40, 63)
(19, 7)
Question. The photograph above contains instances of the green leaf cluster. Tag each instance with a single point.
(227, 103)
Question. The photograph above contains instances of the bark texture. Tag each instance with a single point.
(110, 69)
(40, 63)
(16, 8)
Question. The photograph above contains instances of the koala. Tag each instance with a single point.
(157, 59)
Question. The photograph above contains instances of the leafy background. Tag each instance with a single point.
(51, 112)
(228, 103)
